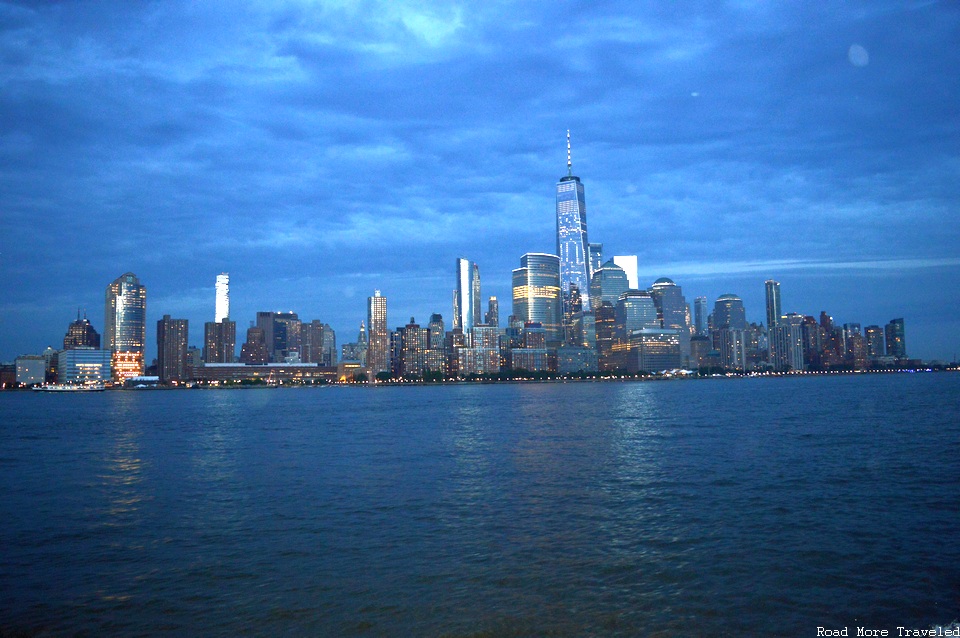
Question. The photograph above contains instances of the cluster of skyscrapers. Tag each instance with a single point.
(572, 312)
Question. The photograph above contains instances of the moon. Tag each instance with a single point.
(858, 56)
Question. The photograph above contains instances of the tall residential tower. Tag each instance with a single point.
(378, 347)
(223, 297)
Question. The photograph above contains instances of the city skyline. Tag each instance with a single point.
(297, 152)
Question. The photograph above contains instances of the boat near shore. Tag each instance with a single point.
(66, 387)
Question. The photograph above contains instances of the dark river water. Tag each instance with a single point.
(742, 507)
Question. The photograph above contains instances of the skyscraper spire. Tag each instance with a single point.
(569, 162)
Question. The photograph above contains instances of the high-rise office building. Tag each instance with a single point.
(607, 284)
(81, 334)
(223, 297)
(172, 337)
(673, 312)
(125, 325)
(572, 244)
(629, 265)
(378, 347)
(492, 318)
(773, 302)
(318, 343)
(596, 258)
(536, 293)
(635, 310)
(282, 335)
(728, 313)
(896, 339)
(700, 315)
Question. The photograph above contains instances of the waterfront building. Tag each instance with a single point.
(219, 341)
(223, 298)
(172, 338)
(414, 343)
(267, 373)
(609, 281)
(453, 342)
(831, 339)
(606, 330)
(773, 302)
(254, 350)
(357, 351)
(125, 365)
(81, 334)
(31, 369)
(812, 343)
(673, 312)
(83, 365)
(529, 359)
(874, 339)
(576, 359)
(536, 293)
(572, 244)
(653, 350)
(854, 346)
(378, 348)
(125, 325)
(757, 344)
(50, 357)
(635, 310)
(896, 339)
(786, 343)
(733, 352)
(194, 359)
(317, 343)
(629, 265)
(700, 346)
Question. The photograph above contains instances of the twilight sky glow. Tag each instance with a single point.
(320, 150)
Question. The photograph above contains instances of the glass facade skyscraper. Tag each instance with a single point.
(572, 246)
(896, 339)
(125, 321)
(773, 302)
(607, 284)
(466, 296)
(536, 293)
(728, 313)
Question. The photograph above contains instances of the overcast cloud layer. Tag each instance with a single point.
(317, 151)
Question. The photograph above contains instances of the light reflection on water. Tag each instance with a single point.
(578, 509)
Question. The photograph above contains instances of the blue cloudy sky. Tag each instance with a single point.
(320, 150)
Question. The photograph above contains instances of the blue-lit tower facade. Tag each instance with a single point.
(573, 249)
